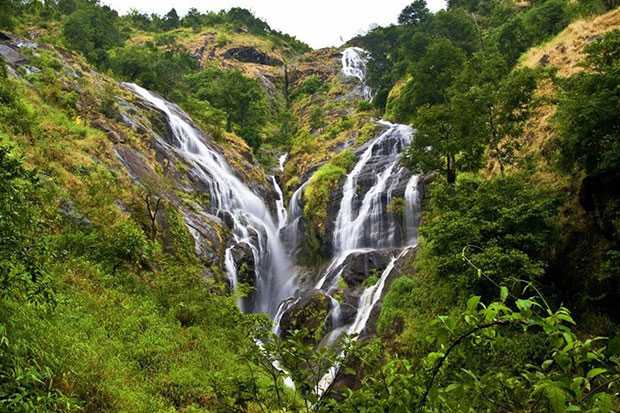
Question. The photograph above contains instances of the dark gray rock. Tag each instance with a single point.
(249, 54)
(310, 313)
(11, 56)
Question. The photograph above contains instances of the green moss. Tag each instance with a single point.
(318, 194)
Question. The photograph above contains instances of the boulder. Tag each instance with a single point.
(244, 262)
(361, 265)
(11, 56)
(310, 314)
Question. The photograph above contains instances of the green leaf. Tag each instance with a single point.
(524, 305)
(503, 294)
(596, 372)
(557, 398)
(472, 303)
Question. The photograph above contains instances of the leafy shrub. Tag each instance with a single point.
(241, 98)
(15, 115)
(318, 194)
(155, 69)
(505, 225)
(311, 85)
(92, 30)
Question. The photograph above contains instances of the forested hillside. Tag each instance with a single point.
(200, 213)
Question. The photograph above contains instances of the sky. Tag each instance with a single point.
(320, 23)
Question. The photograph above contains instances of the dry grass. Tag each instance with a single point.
(566, 50)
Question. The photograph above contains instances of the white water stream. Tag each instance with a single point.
(230, 197)
(363, 223)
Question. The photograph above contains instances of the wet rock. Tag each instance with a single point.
(247, 54)
(360, 266)
(309, 314)
(210, 239)
(114, 136)
(244, 262)
(136, 165)
(11, 56)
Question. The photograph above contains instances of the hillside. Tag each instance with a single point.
(199, 213)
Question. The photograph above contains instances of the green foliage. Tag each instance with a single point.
(241, 98)
(154, 69)
(311, 85)
(505, 225)
(8, 11)
(539, 364)
(15, 115)
(92, 30)
(587, 119)
(318, 194)
(415, 13)
(432, 76)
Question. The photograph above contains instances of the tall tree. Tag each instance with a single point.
(171, 20)
(93, 30)
(415, 13)
(242, 99)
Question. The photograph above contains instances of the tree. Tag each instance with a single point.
(242, 98)
(431, 78)
(458, 27)
(155, 69)
(193, 18)
(8, 11)
(92, 30)
(171, 20)
(588, 118)
(441, 144)
(500, 101)
(415, 13)
(506, 225)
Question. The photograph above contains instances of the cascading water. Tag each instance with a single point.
(363, 223)
(354, 61)
(231, 198)
(280, 209)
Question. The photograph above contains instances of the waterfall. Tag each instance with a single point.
(291, 232)
(280, 209)
(412, 209)
(231, 198)
(281, 161)
(363, 223)
(354, 61)
(366, 226)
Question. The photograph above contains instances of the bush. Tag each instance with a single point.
(318, 194)
(506, 226)
(311, 85)
(547, 19)
(158, 70)
(15, 115)
(92, 30)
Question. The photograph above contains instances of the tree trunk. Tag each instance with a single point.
(451, 170)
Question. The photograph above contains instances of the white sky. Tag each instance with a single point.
(319, 23)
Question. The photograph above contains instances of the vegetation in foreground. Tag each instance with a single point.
(99, 312)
